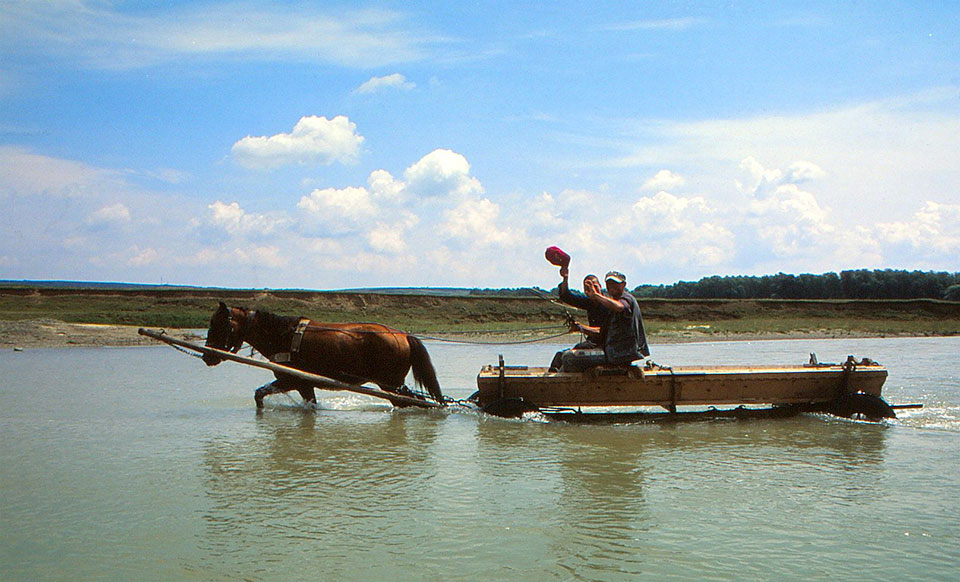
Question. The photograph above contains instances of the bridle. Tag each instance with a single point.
(242, 330)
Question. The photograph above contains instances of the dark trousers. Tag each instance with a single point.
(585, 350)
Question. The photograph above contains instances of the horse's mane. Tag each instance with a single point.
(276, 323)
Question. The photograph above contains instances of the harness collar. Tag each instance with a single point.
(295, 341)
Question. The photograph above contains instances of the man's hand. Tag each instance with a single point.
(564, 272)
(593, 289)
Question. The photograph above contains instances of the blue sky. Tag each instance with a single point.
(332, 145)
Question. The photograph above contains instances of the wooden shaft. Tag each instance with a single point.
(314, 379)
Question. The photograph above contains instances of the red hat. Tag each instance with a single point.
(557, 257)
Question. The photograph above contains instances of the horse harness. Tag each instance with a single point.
(283, 357)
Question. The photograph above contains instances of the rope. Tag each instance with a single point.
(467, 342)
(482, 343)
(180, 349)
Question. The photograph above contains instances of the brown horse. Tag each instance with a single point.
(349, 352)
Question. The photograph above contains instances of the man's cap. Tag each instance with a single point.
(616, 276)
(557, 257)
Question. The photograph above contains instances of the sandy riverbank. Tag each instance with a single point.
(52, 333)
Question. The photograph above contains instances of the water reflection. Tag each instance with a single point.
(316, 478)
(588, 485)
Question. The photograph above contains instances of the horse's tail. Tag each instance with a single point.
(423, 372)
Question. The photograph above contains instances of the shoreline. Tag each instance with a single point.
(51, 333)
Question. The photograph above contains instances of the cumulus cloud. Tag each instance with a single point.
(664, 180)
(389, 207)
(477, 221)
(934, 229)
(679, 229)
(142, 257)
(236, 221)
(394, 81)
(392, 237)
(338, 210)
(442, 173)
(790, 220)
(314, 140)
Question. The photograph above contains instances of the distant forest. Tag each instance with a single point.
(855, 284)
(858, 284)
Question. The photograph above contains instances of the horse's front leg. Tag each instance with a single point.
(266, 390)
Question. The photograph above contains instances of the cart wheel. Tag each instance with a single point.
(509, 408)
(863, 407)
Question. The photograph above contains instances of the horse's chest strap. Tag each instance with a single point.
(294, 342)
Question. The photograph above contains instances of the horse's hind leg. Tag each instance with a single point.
(308, 395)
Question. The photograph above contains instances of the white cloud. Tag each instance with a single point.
(791, 221)
(142, 257)
(99, 35)
(232, 257)
(394, 81)
(675, 229)
(24, 173)
(392, 237)
(314, 140)
(870, 158)
(802, 171)
(332, 204)
(654, 24)
(791, 226)
(477, 221)
(113, 214)
(932, 230)
(442, 173)
(236, 221)
(664, 180)
(384, 186)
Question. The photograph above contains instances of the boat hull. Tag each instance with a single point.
(679, 386)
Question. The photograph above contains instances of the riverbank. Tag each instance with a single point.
(52, 333)
(62, 317)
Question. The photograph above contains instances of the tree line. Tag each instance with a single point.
(854, 284)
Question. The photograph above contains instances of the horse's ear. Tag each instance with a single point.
(223, 306)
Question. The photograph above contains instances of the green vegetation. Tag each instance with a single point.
(858, 284)
(427, 313)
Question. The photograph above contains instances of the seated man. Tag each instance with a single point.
(595, 313)
(622, 335)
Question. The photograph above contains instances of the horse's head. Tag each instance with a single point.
(226, 332)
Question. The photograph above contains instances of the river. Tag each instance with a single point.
(142, 463)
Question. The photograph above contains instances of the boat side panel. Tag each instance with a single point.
(682, 387)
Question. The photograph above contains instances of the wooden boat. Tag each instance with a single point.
(850, 389)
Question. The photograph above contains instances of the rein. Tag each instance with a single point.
(303, 324)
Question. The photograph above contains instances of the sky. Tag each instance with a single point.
(330, 145)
